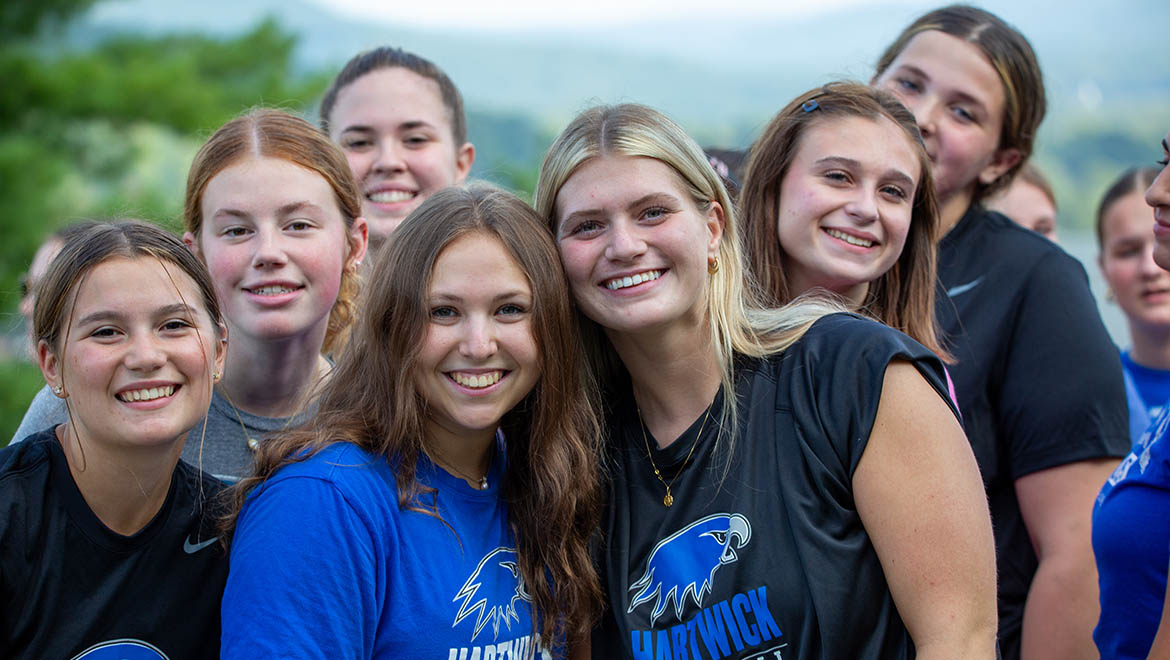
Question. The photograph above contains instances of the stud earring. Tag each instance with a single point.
(215, 376)
(713, 265)
(58, 390)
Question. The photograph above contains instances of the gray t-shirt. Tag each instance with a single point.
(225, 454)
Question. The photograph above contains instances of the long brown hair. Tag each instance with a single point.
(1014, 62)
(271, 133)
(550, 483)
(903, 296)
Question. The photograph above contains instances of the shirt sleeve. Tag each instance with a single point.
(46, 411)
(1061, 397)
(305, 579)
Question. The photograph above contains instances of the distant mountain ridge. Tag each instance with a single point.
(722, 78)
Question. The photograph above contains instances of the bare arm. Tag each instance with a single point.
(921, 499)
(1063, 602)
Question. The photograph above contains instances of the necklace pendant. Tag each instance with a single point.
(483, 484)
(253, 443)
(669, 499)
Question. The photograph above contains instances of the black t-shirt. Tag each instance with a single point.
(1038, 380)
(69, 584)
(764, 556)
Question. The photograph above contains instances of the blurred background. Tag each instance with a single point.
(104, 102)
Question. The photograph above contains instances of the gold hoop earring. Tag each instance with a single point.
(713, 265)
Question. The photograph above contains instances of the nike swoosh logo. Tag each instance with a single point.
(191, 548)
(963, 288)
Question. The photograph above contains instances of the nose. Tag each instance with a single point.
(1158, 194)
(925, 110)
(479, 338)
(1149, 269)
(269, 252)
(388, 158)
(145, 354)
(863, 208)
(625, 244)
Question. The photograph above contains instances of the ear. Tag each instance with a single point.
(464, 159)
(1004, 160)
(193, 245)
(220, 350)
(50, 368)
(715, 224)
(359, 241)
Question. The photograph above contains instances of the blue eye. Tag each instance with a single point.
(511, 309)
(444, 312)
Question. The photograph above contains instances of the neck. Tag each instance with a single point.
(124, 489)
(467, 456)
(273, 378)
(1151, 346)
(952, 209)
(853, 294)
(674, 374)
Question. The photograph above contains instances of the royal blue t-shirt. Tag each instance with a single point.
(1131, 540)
(324, 564)
(1153, 385)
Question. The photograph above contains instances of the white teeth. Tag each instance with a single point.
(623, 282)
(852, 240)
(477, 380)
(390, 196)
(272, 290)
(148, 394)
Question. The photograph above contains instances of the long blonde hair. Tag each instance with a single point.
(738, 323)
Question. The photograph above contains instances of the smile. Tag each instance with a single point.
(148, 394)
(273, 290)
(852, 240)
(476, 381)
(391, 196)
(632, 280)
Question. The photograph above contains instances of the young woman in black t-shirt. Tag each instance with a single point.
(1037, 377)
(783, 482)
(106, 540)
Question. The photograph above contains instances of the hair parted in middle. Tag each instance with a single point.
(272, 133)
(738, 323)
(1135, 179)
(903, 297)
(551, 479)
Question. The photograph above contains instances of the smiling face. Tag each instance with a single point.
(634, 244)
(275, 244)
(479, 357)
(1141, 288)
(958, 100)
(396, 133)
(137, 361)
(845, 204)
(1158, 197)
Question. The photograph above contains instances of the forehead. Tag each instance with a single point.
(155, 284)
(876, 142)
(611, 182)
(388, 97)
(262, 183)
(1129, 214)
(952, 63)
(477, 264)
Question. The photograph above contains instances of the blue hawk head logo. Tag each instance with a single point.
(498, 567)
(685, 562)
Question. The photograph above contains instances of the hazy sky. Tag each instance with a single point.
(532, 14)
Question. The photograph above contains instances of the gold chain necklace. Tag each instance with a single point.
(483, 481)
(668, 499)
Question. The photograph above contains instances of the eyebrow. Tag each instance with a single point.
(452, 298)
(109, 315)
(286, 209)
(891, 173)
(404, 126)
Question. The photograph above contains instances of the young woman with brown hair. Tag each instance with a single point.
(440, 501)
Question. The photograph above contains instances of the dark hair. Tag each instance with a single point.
(550, 483)
(1014, 61)
(94, 243)
(1135, 179)
(903, 296)
(271, 133)
(387, 57)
